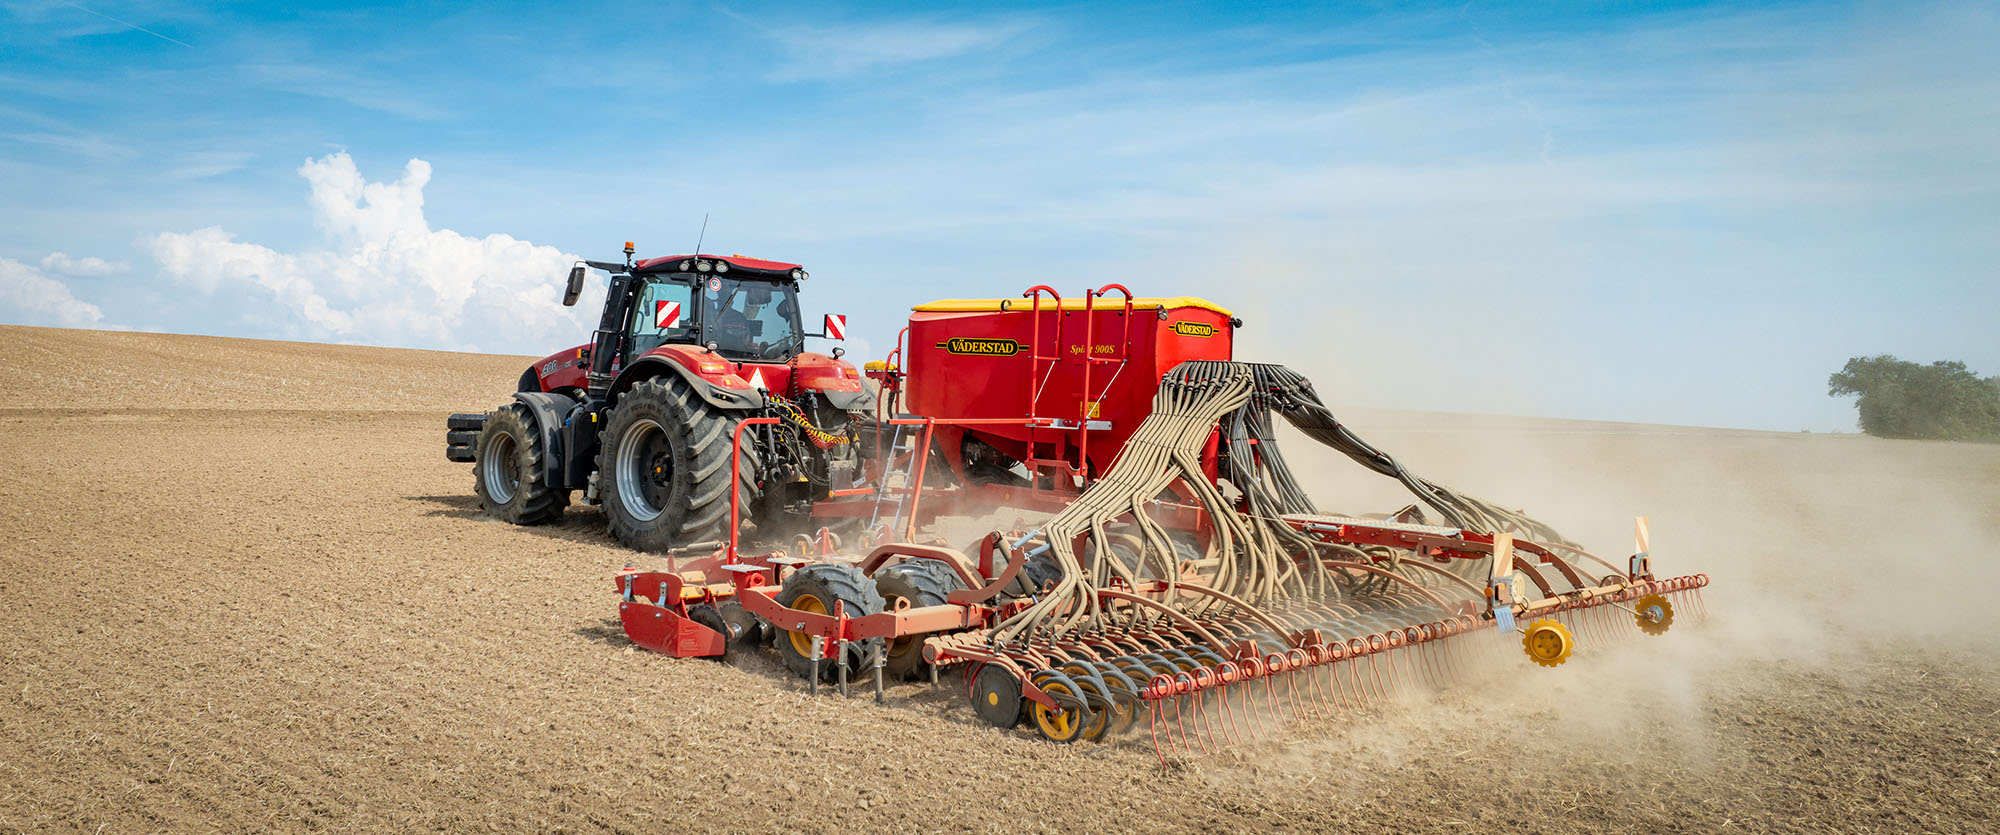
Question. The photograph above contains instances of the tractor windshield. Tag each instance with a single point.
(750, 319)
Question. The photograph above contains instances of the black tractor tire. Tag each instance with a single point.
(664, 468)
(1036, 575)
(507, 469)
(923, 583)
(815, 588)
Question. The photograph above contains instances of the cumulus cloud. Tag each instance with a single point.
(384, 276)
(29, 296)
(85, 267)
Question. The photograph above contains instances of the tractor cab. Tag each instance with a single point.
(745, 319)
(745, 309)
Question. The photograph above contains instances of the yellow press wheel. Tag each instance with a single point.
(1656, 615)
(1547, 642)
(815, 589)
(1065, 724)
(801, 642)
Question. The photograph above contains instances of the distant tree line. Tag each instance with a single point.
(1941, 401)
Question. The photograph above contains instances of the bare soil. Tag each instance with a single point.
(244, 590)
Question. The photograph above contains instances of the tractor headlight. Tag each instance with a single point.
(685, 265)
(722, 266)
(798, 274)
(701, 265)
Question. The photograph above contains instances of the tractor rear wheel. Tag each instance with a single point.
(815, 589)
(507, 469)
(665, 469)
(922, 583)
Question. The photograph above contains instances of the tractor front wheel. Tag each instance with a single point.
(507, 469)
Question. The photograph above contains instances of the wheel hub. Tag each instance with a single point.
(497, 468)
(644, 470)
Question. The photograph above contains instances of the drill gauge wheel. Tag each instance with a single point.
(1547, 642)
(1073, 718)
(1656, 615)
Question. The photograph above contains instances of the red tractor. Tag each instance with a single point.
(642, 418)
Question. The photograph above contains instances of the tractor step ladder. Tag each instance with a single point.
(897, 495)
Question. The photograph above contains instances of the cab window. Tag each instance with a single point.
(663, 315)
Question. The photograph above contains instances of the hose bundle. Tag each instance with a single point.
(1283, 390)
(1255, 555)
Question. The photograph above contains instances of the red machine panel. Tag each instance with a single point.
(1073, 360)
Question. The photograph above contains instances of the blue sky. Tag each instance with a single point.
(1679, 213)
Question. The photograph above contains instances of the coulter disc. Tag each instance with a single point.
(996, 696)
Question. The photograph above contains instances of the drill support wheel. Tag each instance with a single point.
(1548, 642)
(815, 589)
(1656, 615)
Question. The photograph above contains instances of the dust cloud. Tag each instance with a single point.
(1827, 554)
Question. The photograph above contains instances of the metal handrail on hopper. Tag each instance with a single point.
(1088, 406)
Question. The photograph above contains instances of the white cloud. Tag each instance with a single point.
(85, 267)
(327, 83)
(825, 50)
(385, 277)
(30, 297)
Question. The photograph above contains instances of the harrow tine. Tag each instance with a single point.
(1174, 724)
(1205, 724)
(1250, 720)
(1292, 689)
(1153, 728)
(1354, 674)
(1448, 647)
(1271, 696)
(1430, 649)
(1323, 680)
(1315, 700)
(1583, 625)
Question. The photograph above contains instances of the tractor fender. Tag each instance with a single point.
(717, 396)
(849, 401)
(549, 411)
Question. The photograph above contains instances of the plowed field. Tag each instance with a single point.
(241, 589)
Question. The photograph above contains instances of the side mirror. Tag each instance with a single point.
(836, 326)
(575, 287)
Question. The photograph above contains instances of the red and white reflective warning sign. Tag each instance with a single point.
(836, 326)
(666, 314)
